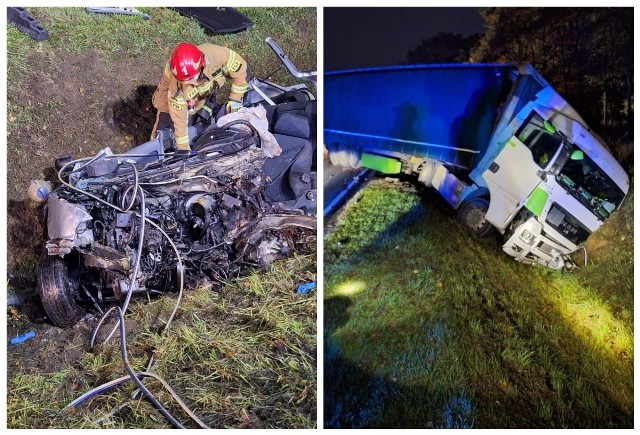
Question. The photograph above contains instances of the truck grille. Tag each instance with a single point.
(545, 247)
(567, 225)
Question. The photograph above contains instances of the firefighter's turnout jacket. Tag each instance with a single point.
(181, 100)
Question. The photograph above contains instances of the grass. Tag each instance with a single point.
(420, 316)
(72, 32)
(71, 29)
(233, 360)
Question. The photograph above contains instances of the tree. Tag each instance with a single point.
(586, 53)
(443, 48)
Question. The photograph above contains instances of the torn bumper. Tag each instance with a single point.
(529, 244)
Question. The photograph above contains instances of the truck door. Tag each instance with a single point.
(519, 168)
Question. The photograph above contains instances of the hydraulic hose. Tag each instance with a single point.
(108, 385)
(132, 375)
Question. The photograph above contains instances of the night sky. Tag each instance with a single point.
(364, 37)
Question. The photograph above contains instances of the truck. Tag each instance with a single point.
(498, 143)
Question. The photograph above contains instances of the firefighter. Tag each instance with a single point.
(189, 83)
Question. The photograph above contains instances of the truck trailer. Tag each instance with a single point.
(500, 145)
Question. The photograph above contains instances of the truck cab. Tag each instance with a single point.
(552, 184)
(498, 143)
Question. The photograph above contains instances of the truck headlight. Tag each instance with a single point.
(527, 237)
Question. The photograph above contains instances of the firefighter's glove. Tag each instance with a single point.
(233, 106)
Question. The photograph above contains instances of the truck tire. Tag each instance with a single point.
(56, 288)
(473, 214)
(334, 155)
(346, 156)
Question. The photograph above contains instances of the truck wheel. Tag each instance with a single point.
(346, 156)
(473, 214)
(56, 288)
(334, 156)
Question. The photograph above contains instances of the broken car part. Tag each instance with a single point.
(121, 11)
(24, 22)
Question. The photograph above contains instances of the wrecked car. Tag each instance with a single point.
(148, 221)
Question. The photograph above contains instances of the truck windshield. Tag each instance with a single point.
(586, 182)
(541, 138)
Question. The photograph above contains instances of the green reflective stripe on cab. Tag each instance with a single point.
(537, 200)
(385, 165)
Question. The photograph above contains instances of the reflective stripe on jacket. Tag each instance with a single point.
(173, 97)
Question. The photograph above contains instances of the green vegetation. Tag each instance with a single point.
(129, 38)
(594, 72)
(427, 326)
(243, 356)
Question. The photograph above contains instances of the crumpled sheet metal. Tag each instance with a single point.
(65, 221)
(257, 116)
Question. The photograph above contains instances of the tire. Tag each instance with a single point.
(56, 289)
(353, 157)
(473, 214)
(345, 156)
(333, 156)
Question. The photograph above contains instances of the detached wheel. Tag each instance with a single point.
(473, 214)
(57, 289)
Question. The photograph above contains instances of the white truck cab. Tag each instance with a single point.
(548, 194)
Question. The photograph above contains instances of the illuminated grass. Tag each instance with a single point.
(437, 312)
(370, 220)
(590, 316)
(348, 288)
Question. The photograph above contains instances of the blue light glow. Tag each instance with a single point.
(444, 112)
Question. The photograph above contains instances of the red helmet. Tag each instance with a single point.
(186, 61)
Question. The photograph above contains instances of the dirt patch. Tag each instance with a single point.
(25, 223)
(51, 348)
(76, 108)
